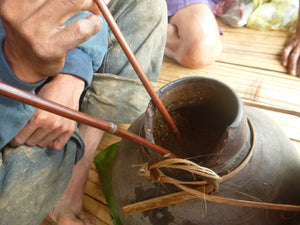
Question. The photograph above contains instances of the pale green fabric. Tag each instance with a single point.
(117, 94)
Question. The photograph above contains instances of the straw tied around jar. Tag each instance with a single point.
(203, 189)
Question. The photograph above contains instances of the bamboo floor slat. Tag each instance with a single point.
(250, 64)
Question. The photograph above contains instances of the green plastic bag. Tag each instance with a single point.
(275, 15)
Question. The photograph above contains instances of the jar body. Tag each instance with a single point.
(271, 175)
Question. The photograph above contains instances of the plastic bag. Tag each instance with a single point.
(234, 12)
(275, 15)
(258, 3)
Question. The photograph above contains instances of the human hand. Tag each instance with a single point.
(37, 39)
(46, 129)
(291, 55)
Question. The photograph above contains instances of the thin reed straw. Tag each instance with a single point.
(137, 67)
(30, 99)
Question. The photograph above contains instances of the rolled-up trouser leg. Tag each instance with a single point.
(33, 179)
(116, 93)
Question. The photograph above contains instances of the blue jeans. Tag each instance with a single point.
(33, 179)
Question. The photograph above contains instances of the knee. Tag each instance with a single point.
(200, 53)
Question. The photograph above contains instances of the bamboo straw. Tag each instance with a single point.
(183, 196)
(30, 99)
(137, 67)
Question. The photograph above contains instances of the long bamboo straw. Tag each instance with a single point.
(30, 99)
(137, 67)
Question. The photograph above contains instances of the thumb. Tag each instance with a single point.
(77, 32)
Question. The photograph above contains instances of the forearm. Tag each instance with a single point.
(45, 128)
(77, 73)
(14, 114)
(62, 86)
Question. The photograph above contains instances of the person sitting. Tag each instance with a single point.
(56, 50)
(291, 53)
(193, 36)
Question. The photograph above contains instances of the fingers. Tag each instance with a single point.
(23, 135)
(45, 133)
(77, 32)
(48, 129)
(293, 62)
(14, 12)
(60, 141)
(291, 55)
(42, 138)
(37, 39)
(58, 12)
(285, 55)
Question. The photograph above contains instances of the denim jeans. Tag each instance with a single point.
(32, 179)
(117, 94)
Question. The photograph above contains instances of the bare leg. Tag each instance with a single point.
(149, 27)
(68, 210)
(193, 38)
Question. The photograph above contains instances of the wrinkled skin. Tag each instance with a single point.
(291, 55)
(35, 47)
(37, 39)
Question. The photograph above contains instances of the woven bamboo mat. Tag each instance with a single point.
(250, 64)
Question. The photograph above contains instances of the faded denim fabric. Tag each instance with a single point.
(13, 114)
(116, 93)
(87, 57)
(33, 179)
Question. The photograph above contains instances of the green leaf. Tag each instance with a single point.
(104, 162)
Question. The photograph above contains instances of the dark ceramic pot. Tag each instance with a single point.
(210, 117)
(218, 132)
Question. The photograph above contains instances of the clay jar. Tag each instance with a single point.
(210, 118)
(220, 133)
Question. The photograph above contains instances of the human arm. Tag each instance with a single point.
(47, 129)
(291, 53)
(37, 38)
(27, 61)
(14, 114)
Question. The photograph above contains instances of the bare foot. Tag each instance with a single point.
(64, 215)
(68, 210)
